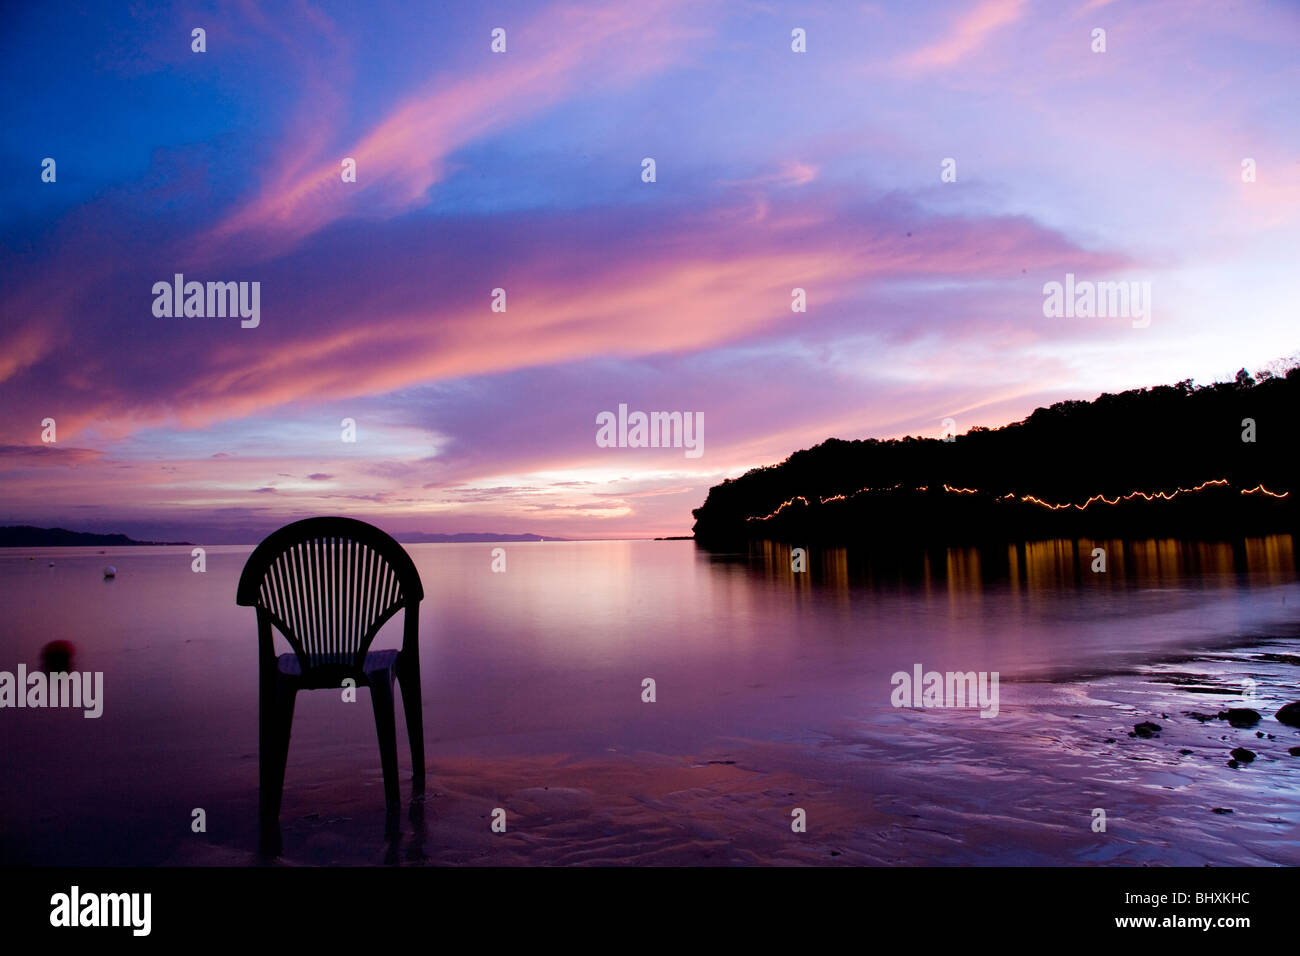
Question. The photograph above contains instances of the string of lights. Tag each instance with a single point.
(1032, 499)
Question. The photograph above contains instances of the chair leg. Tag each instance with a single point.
(276, 722)
(408, 675)
(381, 696)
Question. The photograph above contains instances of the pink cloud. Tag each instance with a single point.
(684, 282)
(968, 34)
(408, 150)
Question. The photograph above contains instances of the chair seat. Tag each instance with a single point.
(376, 662)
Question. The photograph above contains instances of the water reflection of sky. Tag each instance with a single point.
(548, 657)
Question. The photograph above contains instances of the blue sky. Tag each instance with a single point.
(522, 170)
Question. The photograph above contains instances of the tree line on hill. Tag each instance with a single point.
(1150, 440)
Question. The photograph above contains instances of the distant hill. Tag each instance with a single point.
(27, 536)
(1169, 460)
(421, 537)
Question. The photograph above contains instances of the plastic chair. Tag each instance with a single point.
(328, 585)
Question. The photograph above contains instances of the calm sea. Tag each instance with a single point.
(549, 658)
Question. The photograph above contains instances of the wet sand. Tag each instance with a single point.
(908, 787)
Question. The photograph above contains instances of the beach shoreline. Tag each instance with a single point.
(900, 790)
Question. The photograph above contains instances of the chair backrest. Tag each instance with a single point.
(328, 585)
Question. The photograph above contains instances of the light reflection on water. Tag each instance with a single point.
(549, 656)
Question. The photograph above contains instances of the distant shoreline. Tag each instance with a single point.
(468, 537)
(27, 536)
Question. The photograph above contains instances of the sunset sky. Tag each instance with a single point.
(523, 170)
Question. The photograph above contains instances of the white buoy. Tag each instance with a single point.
(110, 572)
